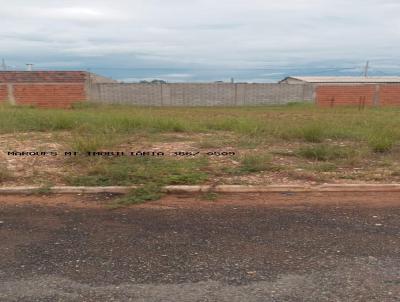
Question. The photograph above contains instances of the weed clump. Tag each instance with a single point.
(151, 174)
(324, 152)
(381, 144)
(313, 134)
(253, 163)
(145, 193)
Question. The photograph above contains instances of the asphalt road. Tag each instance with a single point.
(343, 247)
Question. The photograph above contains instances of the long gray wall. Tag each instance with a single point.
(199, 94)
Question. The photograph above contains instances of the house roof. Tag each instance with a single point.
(346, 79)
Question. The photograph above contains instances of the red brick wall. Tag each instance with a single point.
(345, 95)
(390, 95)
(3, 93)
(49, 95)
(52, 89)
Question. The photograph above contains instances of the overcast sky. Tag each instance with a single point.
(180, 39)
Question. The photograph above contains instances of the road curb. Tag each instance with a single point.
(199, 189)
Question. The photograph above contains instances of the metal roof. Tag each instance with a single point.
(346, 79)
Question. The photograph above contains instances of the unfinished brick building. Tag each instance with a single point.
(354, 91)
(51, 89)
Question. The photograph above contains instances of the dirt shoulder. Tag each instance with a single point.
(188, 201)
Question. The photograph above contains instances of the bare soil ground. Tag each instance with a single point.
(246, 247)
(43, 170)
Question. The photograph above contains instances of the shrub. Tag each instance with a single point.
(148, 192)
(253, 163)
(313, 134)
(381, 144)
(150, 173)
(142, 170)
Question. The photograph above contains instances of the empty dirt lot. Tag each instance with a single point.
(274, 247)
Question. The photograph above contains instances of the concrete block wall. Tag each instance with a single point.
(260, 94)
(218, 94)
(138, 94)
(200, 94)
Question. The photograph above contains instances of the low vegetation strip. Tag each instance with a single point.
(292, 144)
(378, 126)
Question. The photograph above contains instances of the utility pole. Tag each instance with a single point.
(3, 65)
(366, 69)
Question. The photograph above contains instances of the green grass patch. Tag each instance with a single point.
(93, 141)
(314, 133)
(381, 143)
(209, 196)
(45, 189)
(324, 152)
(150, 173)
(148, 192)
(85, 105)
(124, 171)
(253, 163)
(304, 122)
(87, 143)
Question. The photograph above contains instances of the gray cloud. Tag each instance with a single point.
(226, 34)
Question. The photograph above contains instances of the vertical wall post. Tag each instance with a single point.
(88, 86)
(10, 94)
(315, 93)
(377, 96)
(166, 94)
(236, 94)
(161, 94)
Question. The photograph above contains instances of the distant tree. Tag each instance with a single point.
(158, 81)
(155, 81)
